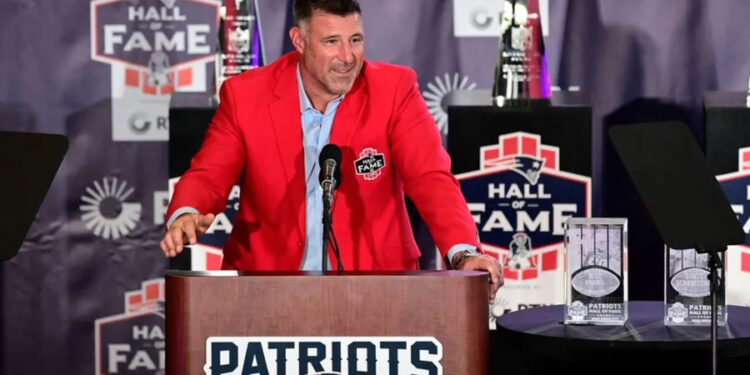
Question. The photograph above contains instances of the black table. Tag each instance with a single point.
(535, 341)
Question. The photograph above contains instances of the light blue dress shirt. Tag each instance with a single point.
(316, 132)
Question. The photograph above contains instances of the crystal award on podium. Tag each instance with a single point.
(687, 293)
(596, 278)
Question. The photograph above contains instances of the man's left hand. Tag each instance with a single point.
(489, 264)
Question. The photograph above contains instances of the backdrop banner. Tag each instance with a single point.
(84, 294)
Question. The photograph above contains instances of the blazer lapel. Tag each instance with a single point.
(287, 125)
(349, 115)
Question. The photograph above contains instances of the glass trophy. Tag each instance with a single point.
(596, 277)
(521, 69)
(239, 47)
(687, 289)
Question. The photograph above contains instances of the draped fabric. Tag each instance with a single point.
(95, 239)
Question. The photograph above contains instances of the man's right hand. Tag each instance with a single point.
(185, 230)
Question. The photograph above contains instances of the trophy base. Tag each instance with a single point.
(677, 315)
(521, 102)
(608, 314)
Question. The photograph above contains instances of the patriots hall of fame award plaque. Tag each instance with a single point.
(687, 289)
(596, 278)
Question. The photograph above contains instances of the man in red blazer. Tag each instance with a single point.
(268, 130)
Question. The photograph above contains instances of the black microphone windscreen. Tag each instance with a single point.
(330, 151)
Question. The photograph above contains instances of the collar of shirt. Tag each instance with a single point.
(304, 101)
(316, 130)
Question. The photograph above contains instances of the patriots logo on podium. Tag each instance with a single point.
(329, 355)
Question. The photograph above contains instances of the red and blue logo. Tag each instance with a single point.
(159, 41)
(133, 343)
(736, 187)
(520, 200)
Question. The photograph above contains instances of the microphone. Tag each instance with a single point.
(329, 178)
(330, 171)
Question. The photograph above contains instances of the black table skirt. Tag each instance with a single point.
(535, 341)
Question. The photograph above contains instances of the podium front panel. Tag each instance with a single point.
(450, 306)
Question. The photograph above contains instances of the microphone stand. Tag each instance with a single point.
(715, 263)
(329, 238)
(327, 200)
(330, 158)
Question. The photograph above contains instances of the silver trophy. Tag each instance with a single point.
(521, 76)
(596, 287)
(511, 68)
(687, 289)
(239, 47)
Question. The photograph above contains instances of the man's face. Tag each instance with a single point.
(332, 49)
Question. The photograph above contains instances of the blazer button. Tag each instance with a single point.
(299, 244)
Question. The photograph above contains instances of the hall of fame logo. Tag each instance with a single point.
(133, 342)
(520, 199)
(369, 164)
(577, 310)
(154, 48)
(736, 187)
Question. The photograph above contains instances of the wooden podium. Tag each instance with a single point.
(450, 306)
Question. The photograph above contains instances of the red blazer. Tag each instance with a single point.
(256, 138)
